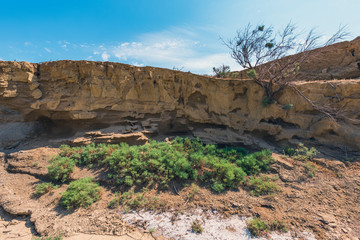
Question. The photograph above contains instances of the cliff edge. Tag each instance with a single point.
(64, 97)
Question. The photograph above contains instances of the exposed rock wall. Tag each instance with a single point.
(83, 94)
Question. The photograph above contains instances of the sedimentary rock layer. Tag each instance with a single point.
(81, 94)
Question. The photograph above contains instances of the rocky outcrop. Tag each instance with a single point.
(69, 96)
(337, 61)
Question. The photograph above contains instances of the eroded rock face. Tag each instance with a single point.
(70, 95)
(337, 61)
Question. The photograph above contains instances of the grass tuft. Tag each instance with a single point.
(196, 227)
(44, 188)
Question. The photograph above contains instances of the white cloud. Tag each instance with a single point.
(137, 64)
(180, 48)
(48, 50)
(63, 44)
(166, 49)
(27, 43)
(157, 52)
(205, 63)
(105, 56)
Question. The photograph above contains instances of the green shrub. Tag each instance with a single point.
(217, 187)
(152, 164)
(235, 75)
(184, 160)
(288, 106)
(222, 71)
(267, 101)
(251, 73)
(289, 151)
(71, 152)
(92, 154)
(58, 237)
(223, 173)
(256, 162)
(81, 193)
(310, 169)
(60, 168)
(44, 188)
(196, 227)
(257, 227)
(262, 186)
(303, 153)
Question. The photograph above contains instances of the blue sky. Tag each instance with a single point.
(182, 34)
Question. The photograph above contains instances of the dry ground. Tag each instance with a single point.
(327, 205)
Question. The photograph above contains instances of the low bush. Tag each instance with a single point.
(184, 160)
(81, 193)
(289, 151)
(301, 152)
(44, 188)
(60, 168)
(58, 237)
(310, 169)
(267, 101)
(71, 152)
(196, 227)
(222, 72)
(257, 227)
(217, 187)
(256, 162)
(262, 186)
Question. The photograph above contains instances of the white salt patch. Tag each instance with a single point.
(214, 226)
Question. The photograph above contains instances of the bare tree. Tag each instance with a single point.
(273, 59)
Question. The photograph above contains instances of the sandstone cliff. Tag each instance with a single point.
(65, 96)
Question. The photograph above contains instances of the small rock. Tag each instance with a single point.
(36, 94)
(328, 219)
(33, 86)
(14, 222)
(284, 163)
(237, 205)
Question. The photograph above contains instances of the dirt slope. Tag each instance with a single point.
(326, 205)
